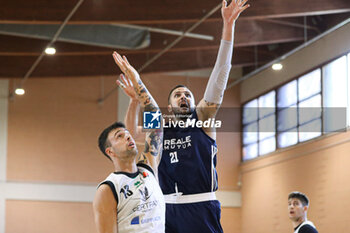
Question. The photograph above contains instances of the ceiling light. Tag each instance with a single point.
(277, 66)
(19, 91)
(50, 50)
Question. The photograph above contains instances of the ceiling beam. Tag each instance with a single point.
(247, 33)
(104, 65)
(157, 11)
(292, 23)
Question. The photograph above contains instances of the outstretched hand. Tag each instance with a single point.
(126, 68)
(230, 13)
(126, 85)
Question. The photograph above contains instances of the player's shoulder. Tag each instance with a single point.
(145, 167)
(104, 196)
(307, 229)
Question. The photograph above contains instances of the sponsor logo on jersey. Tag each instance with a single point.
(151, 120)
(146, 206)
(135, 220)
(147, 220)
(144, 194)
(177, 143)
(138, 183)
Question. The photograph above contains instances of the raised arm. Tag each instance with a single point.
(154, 137)
(132, 113)
(209, 105)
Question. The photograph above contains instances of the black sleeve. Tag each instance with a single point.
(307, 229)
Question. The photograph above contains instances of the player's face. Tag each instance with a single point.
(296, 210)
(122, 143)
(181, 101)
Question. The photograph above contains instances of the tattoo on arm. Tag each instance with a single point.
(142, 158)
(212, 104)
(153, 143)
(145, 97)
(154, 138)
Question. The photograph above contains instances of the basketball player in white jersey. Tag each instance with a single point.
(298, 204)
(130, 199)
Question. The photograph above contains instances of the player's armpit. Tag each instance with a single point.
(105, 210)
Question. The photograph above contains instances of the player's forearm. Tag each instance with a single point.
(131, 117)
(228, 31)
(153, 148)
(144, 96)
(218, 78)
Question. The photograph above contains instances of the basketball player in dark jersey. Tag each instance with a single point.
(187, 173)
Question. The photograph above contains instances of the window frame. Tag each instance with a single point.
(277, 110)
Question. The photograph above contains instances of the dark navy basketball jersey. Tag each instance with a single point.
(188, 161)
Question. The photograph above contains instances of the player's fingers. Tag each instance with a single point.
(243, 8)
(124, 80)
(118, 59)
(243, 2)
(129, 81)
(121, 62)
(126, 60)
(224, 3)
(114, 54)
(121, 85)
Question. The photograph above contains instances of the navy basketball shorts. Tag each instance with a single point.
(199, 217)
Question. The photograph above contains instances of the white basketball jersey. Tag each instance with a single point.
(304, 223)
(141, 206)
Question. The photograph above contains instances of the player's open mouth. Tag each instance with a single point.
(131, 144)
(183, 105)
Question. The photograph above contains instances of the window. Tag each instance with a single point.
(287, 114)
(250, 130)
(335, 95)
(259, 126)
(302, 109)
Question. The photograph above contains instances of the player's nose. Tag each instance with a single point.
(128, 136)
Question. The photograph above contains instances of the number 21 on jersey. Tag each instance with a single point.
(173, 157)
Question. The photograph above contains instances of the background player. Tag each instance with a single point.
(298, 204)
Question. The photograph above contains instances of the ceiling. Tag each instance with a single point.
(265, 31)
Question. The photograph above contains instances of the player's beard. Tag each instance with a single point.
(181, 113)
(132, 152)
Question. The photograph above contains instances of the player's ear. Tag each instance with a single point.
(109, 152)
(305, 208)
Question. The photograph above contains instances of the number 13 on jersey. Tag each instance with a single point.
(173, 157)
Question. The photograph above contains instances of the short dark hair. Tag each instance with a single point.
(300, 196)
(103, 142)
(177, 86)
